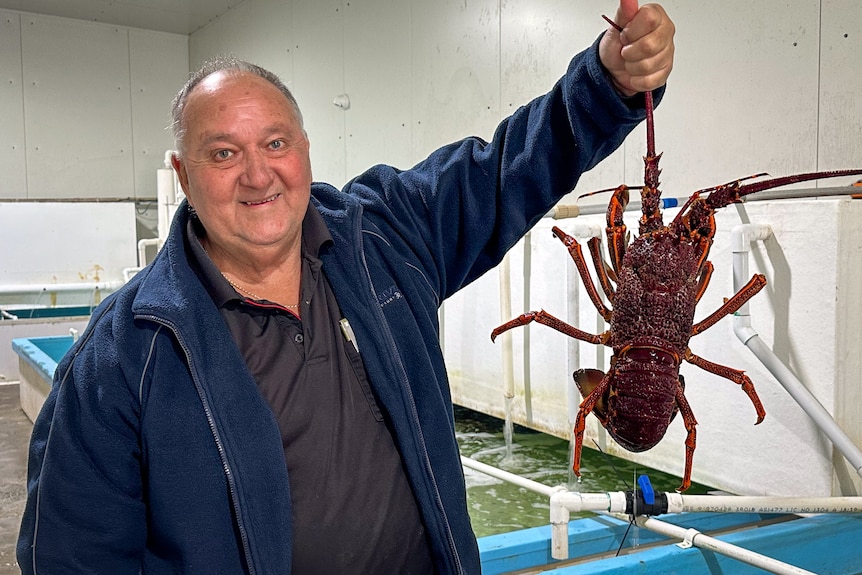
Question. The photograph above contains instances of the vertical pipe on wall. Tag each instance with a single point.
(741, 237)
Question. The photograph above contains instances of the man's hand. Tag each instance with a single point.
(640, 57)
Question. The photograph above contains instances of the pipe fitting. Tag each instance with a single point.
(742, 235)
(559, 526)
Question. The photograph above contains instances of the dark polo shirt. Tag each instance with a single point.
(353, 509)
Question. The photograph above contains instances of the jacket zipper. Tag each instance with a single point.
(390, 340)
(211, 421)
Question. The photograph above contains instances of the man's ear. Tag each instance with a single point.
(182, 175)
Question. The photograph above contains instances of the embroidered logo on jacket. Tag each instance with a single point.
(389, 295)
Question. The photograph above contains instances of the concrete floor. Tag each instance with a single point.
(15, 431)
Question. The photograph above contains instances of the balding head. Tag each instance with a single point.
(228, 65)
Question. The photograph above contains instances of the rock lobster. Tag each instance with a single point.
(660, 277)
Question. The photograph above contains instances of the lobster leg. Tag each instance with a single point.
(616, 230)
(547, 319)
(586, 407)
(754, 285)
(690, 439)
(578, 257)
(602, 268)
(703, 280)
(736, 376)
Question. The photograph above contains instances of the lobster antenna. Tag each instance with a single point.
(593, 193)
(611, 463)
(624, 482)
(632, 516)
(625, 536)
(650, 124)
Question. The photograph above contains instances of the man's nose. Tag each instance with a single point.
(257, 173)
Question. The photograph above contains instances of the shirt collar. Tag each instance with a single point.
(315, 235)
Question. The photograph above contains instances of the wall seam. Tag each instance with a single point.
(23, 107)
(131, 115)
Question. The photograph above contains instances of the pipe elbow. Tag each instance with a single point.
(743, 330)
(559, 526)
(742, 235)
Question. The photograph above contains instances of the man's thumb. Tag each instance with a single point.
(626, 11)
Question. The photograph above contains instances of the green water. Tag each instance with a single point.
(498, 507)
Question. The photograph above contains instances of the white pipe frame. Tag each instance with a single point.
(73, 287)
(564, 502)
(694, 538)
(505, 279)
(166, 199)
(741, 238)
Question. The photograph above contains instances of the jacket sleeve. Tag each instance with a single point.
(85, 512)
(461, 209)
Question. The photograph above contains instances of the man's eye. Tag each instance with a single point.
(276, 144)
(223, 154)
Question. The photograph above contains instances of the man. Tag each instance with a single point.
(269, 395)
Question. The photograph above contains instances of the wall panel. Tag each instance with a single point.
(456, 71)
(377, 78)
(318, 77)
(78, 108)
(840, 126)
(158, 67)
(742, 98)
(538, 40)
(274, 37)
(12, 141)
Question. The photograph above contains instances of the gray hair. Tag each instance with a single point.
(220, 64)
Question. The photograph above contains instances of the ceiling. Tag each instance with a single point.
(176, 16)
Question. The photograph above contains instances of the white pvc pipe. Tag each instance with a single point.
(529, 484)
(786, 194)
(142, 249)
(584, 231)
(80, 287)
(678, 503)
(505, 284)
(166, 194)
(741, 237)
(169, 194)
(615, 502)
(694, 538)
(564, 502)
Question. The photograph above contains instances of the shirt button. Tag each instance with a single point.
(298, 338)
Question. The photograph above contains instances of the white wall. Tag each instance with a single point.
(48, 243)
(754, 88)
(84, 106)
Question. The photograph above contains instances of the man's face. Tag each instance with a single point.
(245, 167)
